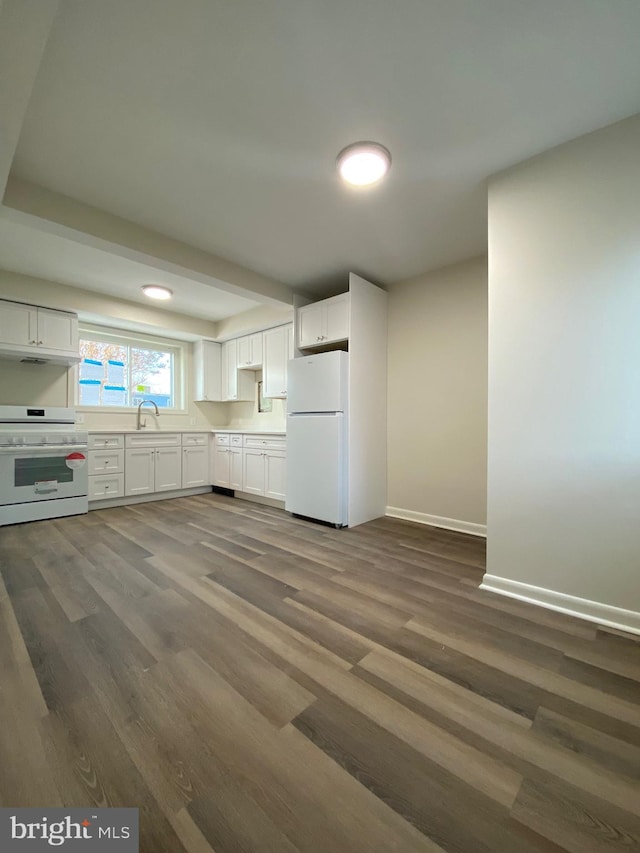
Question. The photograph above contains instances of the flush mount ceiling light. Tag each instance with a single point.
(155, 291)
(363, 163)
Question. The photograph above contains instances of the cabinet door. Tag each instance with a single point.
(256, 350)
(195, 466)
(229, 370)
(235, 468)
(168, 468)
(244, 351)
(139, 471)
(236, 385)
(221, 466)
(18, 324)
(250, 352)
(207, 371)
(310, 325)
(253, 471)
(275, 474)
(57, 330)
(275, 360)
(336, 318)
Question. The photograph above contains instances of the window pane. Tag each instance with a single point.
(151, 377)
(103, 368)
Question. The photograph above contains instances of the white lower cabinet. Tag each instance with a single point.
(253, 474)
(140, 471)
(103, 486)
(153, 463)
(227, 461)
(254, 464)
(106, 466)
(195, 466)
(265, 473)
(168, 469)
(149, 469)
(275, 474)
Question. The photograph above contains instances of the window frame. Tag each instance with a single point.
(124, 337)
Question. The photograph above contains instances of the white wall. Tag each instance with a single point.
(437, 404)
(564, 376)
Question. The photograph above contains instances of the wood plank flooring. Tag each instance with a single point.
(253, 682)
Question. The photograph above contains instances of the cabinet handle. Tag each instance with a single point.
(33, 342)
(39, 343)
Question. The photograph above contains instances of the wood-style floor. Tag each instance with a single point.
(253, 682)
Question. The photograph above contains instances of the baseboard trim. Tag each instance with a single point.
(258, 499)
(437, 521)
(592, 611)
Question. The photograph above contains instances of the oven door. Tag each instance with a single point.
(29, 474)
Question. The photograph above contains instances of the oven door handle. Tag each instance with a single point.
(37, 449)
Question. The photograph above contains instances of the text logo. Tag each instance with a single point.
(86, 830)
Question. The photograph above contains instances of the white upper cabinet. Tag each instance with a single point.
(323, 322)
(207, 366)
(250, 352)
(236, 385)
(43, 333)
(278, 349)
(57, 330)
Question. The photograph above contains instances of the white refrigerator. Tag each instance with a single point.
(317, 396)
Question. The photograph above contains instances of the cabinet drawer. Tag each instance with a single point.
(106, 486)
(266, 442)
(195, 439)
(105, 440)
(106, 461)
(235, 440)
(153, 439)
(222, 438)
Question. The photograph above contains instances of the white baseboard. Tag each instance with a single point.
(437, 521)
(258, 499)
(593, 611)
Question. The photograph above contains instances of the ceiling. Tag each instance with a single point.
(218, 123)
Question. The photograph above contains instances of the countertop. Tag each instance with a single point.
(121, 430)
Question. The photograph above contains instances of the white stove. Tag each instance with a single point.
(43, 464)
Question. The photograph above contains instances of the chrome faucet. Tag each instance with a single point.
(140, 405)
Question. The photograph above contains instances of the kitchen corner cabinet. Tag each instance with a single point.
(207, 367)
(250, 353)
(323, 322)
(278, 349)
(38, 333)
(236, 384)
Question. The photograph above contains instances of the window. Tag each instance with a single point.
(118, 369)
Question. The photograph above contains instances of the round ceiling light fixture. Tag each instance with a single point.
(363, 163)
(156, 291)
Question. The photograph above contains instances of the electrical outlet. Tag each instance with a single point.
(79, 418)
(192, 421)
